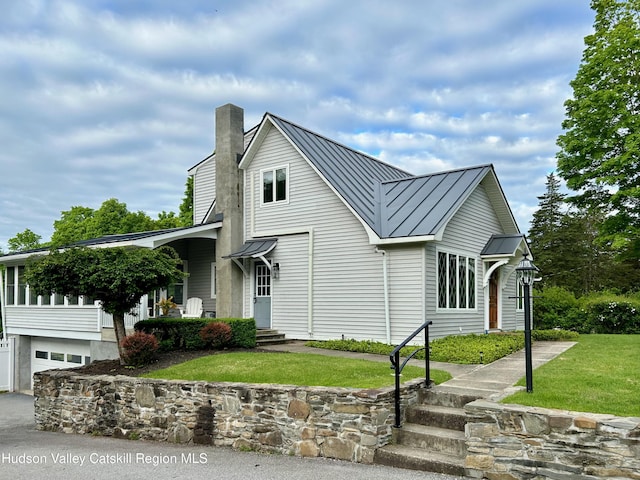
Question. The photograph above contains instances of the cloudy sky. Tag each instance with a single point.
(116, 98)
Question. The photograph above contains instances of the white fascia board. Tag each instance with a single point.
(64, 334)
(401, 240)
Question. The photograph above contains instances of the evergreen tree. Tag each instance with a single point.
(600, 147)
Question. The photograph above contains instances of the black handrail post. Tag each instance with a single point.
(397, 392)
(427, 359)
(394, 357)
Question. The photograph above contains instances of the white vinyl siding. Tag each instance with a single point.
(347, 273)
(466, 234)
(204, 189)
(290, 293)
(201, 253)
(406, 291)
(73, 321)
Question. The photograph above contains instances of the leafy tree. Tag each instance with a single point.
(600, 146)
(73, 226)
(186, 207)
(26, 240)
(118, 277)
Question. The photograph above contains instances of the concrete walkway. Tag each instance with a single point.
(492, 381)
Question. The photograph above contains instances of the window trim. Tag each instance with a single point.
(274, 170)
(213, 280)
(471, 284)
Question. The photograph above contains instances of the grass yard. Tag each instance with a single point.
(291, 369)
(601, 374)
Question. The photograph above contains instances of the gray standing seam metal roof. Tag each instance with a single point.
(502, 244)
(255, 248)
(353, 174)
(394, 203)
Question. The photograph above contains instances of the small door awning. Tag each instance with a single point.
(504, 251)
(502, 245)
(255, 248)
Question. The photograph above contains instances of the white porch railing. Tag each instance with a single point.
(6, 364)
(130, 319)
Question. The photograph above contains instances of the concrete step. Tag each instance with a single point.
(451, 418)
(435, 439)
(412, 458)
(268, 336)
(445, 396)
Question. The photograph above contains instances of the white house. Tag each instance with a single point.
(313, 239)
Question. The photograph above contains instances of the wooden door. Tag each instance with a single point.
(493, 300)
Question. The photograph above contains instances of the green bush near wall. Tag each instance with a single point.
(184, 333)
(601, 312)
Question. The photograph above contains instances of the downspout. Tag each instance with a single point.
(310, 285)
(3, 305)
(385, 281)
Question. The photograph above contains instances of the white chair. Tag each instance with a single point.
(193, 308)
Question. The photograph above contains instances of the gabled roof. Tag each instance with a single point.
(391, 202)
(352, 174)
(248, 136)
(422, 206)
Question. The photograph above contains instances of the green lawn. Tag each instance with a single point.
(291, 369)
(601, 374)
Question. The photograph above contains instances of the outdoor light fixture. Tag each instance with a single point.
(526, 273)
(276, 270)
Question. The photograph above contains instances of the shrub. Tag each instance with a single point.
(184, 333)
(551, 335)
(216, 334)
(609, 313)
(139, 348)
(556, 307)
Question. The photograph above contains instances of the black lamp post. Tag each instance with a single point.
(526, 272)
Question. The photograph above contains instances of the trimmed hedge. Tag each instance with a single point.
(602, 312)
(184, 333)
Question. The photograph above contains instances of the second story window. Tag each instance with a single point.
(275, 185)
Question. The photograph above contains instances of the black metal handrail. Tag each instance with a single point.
(395, 364)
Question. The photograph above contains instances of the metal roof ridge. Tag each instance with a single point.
(341, 145)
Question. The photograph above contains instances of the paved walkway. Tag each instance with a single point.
(492, 381)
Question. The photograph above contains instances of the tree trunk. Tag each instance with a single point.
(118, 325)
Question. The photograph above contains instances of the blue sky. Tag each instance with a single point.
(104, 99)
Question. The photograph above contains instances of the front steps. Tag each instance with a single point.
(268, 336)
(432, 438)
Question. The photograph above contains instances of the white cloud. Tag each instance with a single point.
(103, 98)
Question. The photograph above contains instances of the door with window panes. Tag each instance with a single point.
(262, 296)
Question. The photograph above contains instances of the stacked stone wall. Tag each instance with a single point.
(342, 423)
(512, 442)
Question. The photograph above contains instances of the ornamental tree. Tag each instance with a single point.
(118, 277)
(600, 148)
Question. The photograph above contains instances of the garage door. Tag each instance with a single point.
(48, 353)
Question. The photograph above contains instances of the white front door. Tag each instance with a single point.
(262, 296)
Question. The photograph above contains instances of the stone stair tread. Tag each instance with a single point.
(440, 409)
(420, 459)
(434, 431)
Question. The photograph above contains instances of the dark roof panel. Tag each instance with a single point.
(502, 245)
(255, 248)
(423, 205)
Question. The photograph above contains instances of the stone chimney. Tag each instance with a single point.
(229, 202)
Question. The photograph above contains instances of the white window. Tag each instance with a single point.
(275, 185)
(456, 281)
(519, 296)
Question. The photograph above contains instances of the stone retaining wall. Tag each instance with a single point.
(512, 442)
(342, 423)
